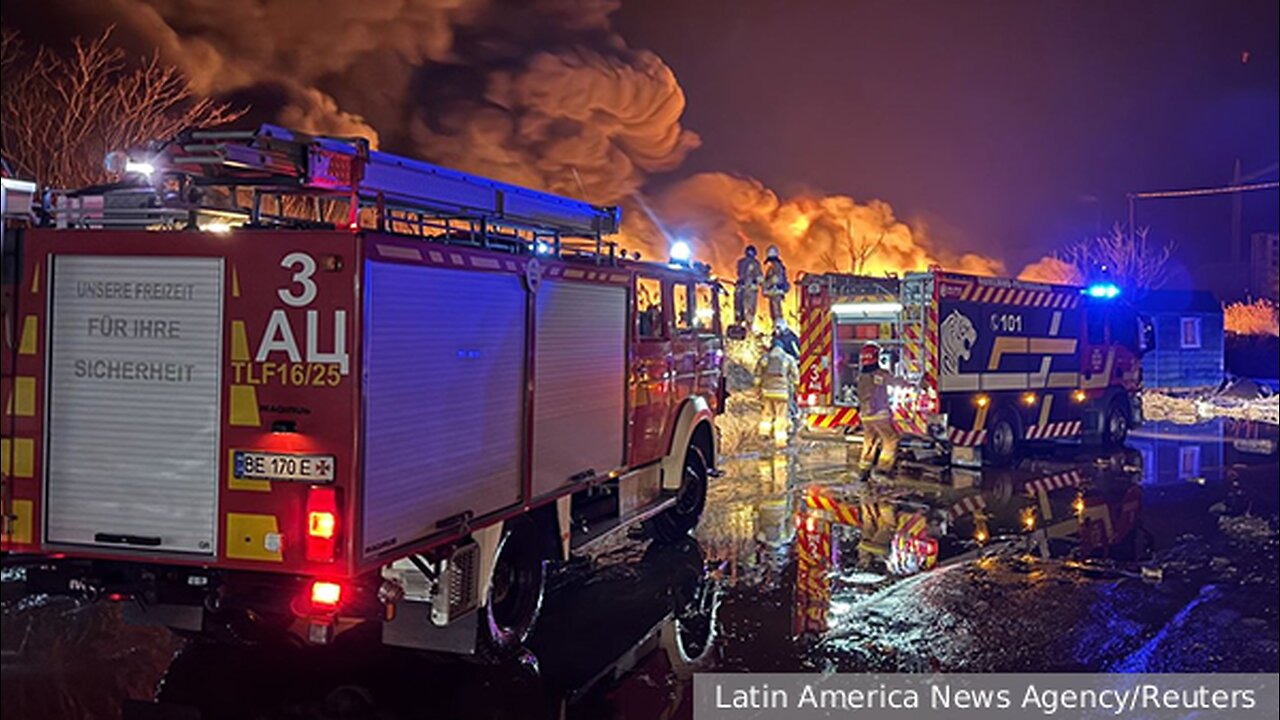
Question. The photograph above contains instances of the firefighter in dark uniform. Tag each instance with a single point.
(747, 292)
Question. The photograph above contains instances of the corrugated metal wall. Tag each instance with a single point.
(1170, 365)
(579, 403)
(444, 374)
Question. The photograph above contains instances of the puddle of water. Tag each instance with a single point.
(782, 577)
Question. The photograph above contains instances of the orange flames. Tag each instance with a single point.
(721, 214)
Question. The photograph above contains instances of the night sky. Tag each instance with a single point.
(1009, 126)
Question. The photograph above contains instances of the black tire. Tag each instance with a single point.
(516, 589)
(1003, 436)
(1115, 424)
(675, 523)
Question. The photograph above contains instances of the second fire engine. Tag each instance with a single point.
(991, 363)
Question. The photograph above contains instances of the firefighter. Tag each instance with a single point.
(747, 292)
(790, 341)
(775, 283)
(777, 374)
(879, 437)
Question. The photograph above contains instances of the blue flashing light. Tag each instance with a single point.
(1103, 291)
(681, 252)
(542, 248)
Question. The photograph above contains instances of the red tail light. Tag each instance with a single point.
(325, 595)
(322, 524)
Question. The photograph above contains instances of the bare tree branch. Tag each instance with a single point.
(859, 251)
(60, 116)
(1134, 263)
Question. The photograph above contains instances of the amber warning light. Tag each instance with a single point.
(322, 524)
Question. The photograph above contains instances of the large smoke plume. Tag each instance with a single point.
(543, 93)
(540, 93)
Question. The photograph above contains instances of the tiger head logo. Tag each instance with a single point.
(958, 337)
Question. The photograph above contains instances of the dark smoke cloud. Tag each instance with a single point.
(541, 93)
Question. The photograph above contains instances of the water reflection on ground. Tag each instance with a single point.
(1161, 556)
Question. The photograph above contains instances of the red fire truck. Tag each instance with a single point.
(281, 382)
(991, 363)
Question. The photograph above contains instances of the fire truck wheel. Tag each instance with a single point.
(675, 523)
(1002, 438)
(1116, 429)
(515, 590)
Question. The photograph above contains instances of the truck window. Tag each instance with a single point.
(704, 309)
(1095, 325)
(683, 307)
(648, 307)
(1124, 330)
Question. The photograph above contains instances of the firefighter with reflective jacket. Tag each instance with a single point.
(778, 374)
(879, 437)
(775, 283)
(747, 291)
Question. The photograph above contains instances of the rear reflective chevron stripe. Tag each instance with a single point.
(966, 438)
(968, 505)
(1020, 297)
(1069, 428)
(1054, 482)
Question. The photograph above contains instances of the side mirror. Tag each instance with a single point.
(1146, 334)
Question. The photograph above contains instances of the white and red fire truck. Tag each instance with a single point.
(276, 381)
(991, 363)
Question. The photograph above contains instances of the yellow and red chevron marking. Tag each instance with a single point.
(911, 347)
(908, 421)
(839, 417)
(815, 344)
(843, 513)
(912, 525)
(931, 348)
(913, 546)
(1020, 296)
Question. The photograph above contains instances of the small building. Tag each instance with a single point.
(1189, 337)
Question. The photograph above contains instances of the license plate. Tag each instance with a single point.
(281, 466)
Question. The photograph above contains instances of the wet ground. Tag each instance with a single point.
(1161, 557)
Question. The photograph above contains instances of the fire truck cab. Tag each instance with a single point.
(271, 382)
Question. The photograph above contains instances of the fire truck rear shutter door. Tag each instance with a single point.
(134, 387)
(444, 364)
(580, 371)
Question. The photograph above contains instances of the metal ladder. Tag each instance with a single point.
(399, 193)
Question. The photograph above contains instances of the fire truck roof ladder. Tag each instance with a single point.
(397, 192)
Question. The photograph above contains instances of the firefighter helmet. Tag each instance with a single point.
(772, 252)
(751, 251)
(869, 354)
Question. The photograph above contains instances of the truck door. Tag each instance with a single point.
(684, 343)
(650, 375)
(706, 326)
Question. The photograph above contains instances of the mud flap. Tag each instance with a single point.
(411, 627)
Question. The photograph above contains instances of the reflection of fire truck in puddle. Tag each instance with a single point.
(909, 526)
